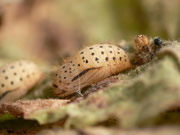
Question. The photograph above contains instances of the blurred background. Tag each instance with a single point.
(48, 30)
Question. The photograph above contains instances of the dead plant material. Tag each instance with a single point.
(22, 108)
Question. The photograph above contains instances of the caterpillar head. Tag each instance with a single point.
(17, 78)
(145, 49)
(158, 42)
(141, 42)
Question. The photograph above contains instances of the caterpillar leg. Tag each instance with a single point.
(79, 93)
(79, 89)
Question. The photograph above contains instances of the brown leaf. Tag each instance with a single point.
(22, 108)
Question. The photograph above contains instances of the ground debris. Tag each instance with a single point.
(23, 108)
(113, 131)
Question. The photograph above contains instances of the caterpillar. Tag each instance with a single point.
(141, 43)
(90, 65)
(145, 49)
(17, 78)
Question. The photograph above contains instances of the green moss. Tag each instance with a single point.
(5, 117)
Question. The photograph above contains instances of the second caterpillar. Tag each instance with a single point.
(90, 65)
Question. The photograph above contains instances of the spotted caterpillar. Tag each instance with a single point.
(88, 66)
(17, 78)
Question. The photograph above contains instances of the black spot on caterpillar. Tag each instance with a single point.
(55, 86)
(82, 73)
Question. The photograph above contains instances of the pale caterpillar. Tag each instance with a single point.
(90, 65)
(17, 78)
